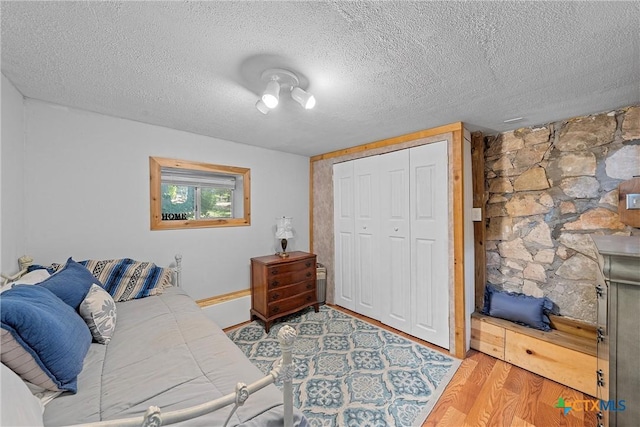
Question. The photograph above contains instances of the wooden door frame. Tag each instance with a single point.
(457, 141)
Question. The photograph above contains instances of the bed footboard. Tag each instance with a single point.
(284, 370)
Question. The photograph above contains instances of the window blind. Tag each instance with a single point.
(191, 177)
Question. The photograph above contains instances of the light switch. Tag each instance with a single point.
(476, 214)
(633, 201)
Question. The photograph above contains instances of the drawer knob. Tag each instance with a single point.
(309, 274)
(308, 264)
(529, 351)
(309, 285)
(275, 309)
(275, 296)
(309, 298)
(274, 283)
(274, 271)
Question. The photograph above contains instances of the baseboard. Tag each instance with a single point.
(229, 313)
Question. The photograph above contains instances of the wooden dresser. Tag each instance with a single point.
(619, 330)
(281, 286)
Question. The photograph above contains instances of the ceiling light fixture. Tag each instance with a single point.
(271, 94)
(280, 79)
(303, 98)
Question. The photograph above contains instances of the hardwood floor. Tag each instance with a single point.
(487, 392)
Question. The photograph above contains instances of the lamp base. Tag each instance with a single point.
(283, 254)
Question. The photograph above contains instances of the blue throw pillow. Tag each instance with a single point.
(71, 284)
(44, 340)
(517, 307)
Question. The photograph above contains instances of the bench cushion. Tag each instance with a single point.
(517, 307)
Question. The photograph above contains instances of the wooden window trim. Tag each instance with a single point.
(155, 166)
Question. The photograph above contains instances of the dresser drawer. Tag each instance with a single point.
(286, 278)
(290, 291)
(292, 303)
(290, 267)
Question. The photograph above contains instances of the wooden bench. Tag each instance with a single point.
(566, 354)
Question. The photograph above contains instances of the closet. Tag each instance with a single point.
(391, 235)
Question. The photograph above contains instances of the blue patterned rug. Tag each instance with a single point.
(352, 373)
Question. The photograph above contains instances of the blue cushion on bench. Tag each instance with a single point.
(517, 307)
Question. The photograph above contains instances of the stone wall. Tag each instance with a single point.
(550, 188)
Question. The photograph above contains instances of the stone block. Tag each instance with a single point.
(514, 249)
(504, 143)
(502, 164)
(567, 207)
(631, 124)
(500, 185)
(625, 163)
(536, 136)
(575, 299)
(581, 243)
(500, 228)
(528, 204)
(495, 210)
(540, 235)
(610, 198)
(529, 156)
(535, 272)
(531, 288)
(583, 133)
(582, 187)
(579, 267)
(532, 180)
(596, 219)
(577, 164)
(545, 256)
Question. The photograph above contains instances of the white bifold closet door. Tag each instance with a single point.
(429, 223)
(392, 239)
(344, 241)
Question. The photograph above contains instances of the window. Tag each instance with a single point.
(192, 195)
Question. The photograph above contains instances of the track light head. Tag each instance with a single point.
(303, 98)
(271, 94)
(262, 107)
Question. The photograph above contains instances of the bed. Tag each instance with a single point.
(167, 363)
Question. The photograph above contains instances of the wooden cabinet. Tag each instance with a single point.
(281, 286)
(619, 330)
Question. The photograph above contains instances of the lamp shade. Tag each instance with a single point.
(284, 229)
(303, 98)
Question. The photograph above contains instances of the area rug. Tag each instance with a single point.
(350, 372)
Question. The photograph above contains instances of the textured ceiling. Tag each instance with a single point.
(377, 69)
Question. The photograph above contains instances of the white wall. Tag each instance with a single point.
(87, 196)
(12, 225)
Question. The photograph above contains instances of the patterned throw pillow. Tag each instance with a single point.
(99, 313)
(126, 279)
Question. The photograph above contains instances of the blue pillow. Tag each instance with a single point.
(517, 307)
(43, 339)
(71, 284)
